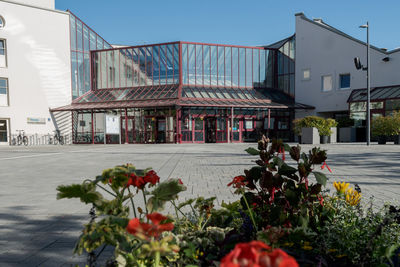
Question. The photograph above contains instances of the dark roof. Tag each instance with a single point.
(153, 103)
(377, 93)
(168, 96)
(279, 44)
(130, 94)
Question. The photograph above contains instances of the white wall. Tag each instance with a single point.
(50, 4)
(38, 71)
(325, 52)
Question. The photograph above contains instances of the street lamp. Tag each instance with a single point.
(366, 26)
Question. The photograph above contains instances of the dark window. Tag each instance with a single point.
(344, 81)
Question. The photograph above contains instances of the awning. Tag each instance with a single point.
(118, 105)
(377, 93)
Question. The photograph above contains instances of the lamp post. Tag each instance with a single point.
(366, 26)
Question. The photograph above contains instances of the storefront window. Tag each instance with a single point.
(248, 124)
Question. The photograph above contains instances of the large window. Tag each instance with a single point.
(326, 83)
(3, 92)
(83, 40)
(3, 53)
(344, 81)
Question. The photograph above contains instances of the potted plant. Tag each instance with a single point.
(298, 124)
(325, 131)
(311, 126)
(346, 132)
(331, 124)
(382, 127)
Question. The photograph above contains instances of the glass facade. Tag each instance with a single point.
(226, 66)
(83, 40)
(136, 66)
(286, 66)
(196, 64)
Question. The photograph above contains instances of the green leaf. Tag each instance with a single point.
(286, 170)
(278, 161)
(165, 191)
(321, 178)
(287, 147)
(86, 192)
(253, 151)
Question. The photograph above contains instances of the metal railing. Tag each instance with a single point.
(40, 139)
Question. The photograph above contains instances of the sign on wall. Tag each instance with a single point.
(36, 120)
(112, 124)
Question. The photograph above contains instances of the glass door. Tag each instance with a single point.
(237, 130)
(221, 130)
(3, 131)
(199, 130)
(161, 130)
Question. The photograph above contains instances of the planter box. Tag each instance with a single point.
(396, 139)
(347, 134)
(333, 138)
(310, 136)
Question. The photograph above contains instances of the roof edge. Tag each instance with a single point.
(335, 30)
(37, 7)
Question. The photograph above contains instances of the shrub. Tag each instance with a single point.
(385, 126)
(323, 125)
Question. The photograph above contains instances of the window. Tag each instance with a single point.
(306, 74)
(2, 23)
(3, 53)
(344, 80)
(3, 92)
(248, 124)
(326, 83)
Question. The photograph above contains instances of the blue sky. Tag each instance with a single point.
(247, 22)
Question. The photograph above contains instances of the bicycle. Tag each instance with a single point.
(21, 139)
(56, 139)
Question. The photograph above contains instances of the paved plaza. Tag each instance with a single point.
(38, 230)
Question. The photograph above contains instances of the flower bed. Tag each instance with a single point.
(281, 218)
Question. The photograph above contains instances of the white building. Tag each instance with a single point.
(326, 75)
(36, 59)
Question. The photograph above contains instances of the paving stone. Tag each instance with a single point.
(38, 230)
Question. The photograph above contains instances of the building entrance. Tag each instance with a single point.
(3, 131)
(210, 129)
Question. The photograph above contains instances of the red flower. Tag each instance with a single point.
(277, 258)
(136, 181)
(326, 165)
(151, 177)
(238, 182)
(136, 227)
(245, 254)
(256, 254)
(180, 181)
(321, 200)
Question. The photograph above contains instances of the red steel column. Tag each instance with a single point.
(126, 126)
(92, 127)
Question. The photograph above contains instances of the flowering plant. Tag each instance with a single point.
(136, 242)
(257, 254)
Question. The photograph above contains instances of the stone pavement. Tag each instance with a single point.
(38, 230)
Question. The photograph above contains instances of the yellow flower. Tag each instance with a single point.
(332, 250)
(288, 244)
(307, 246)
(341, 256)
(353, 197)
(341, 186)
